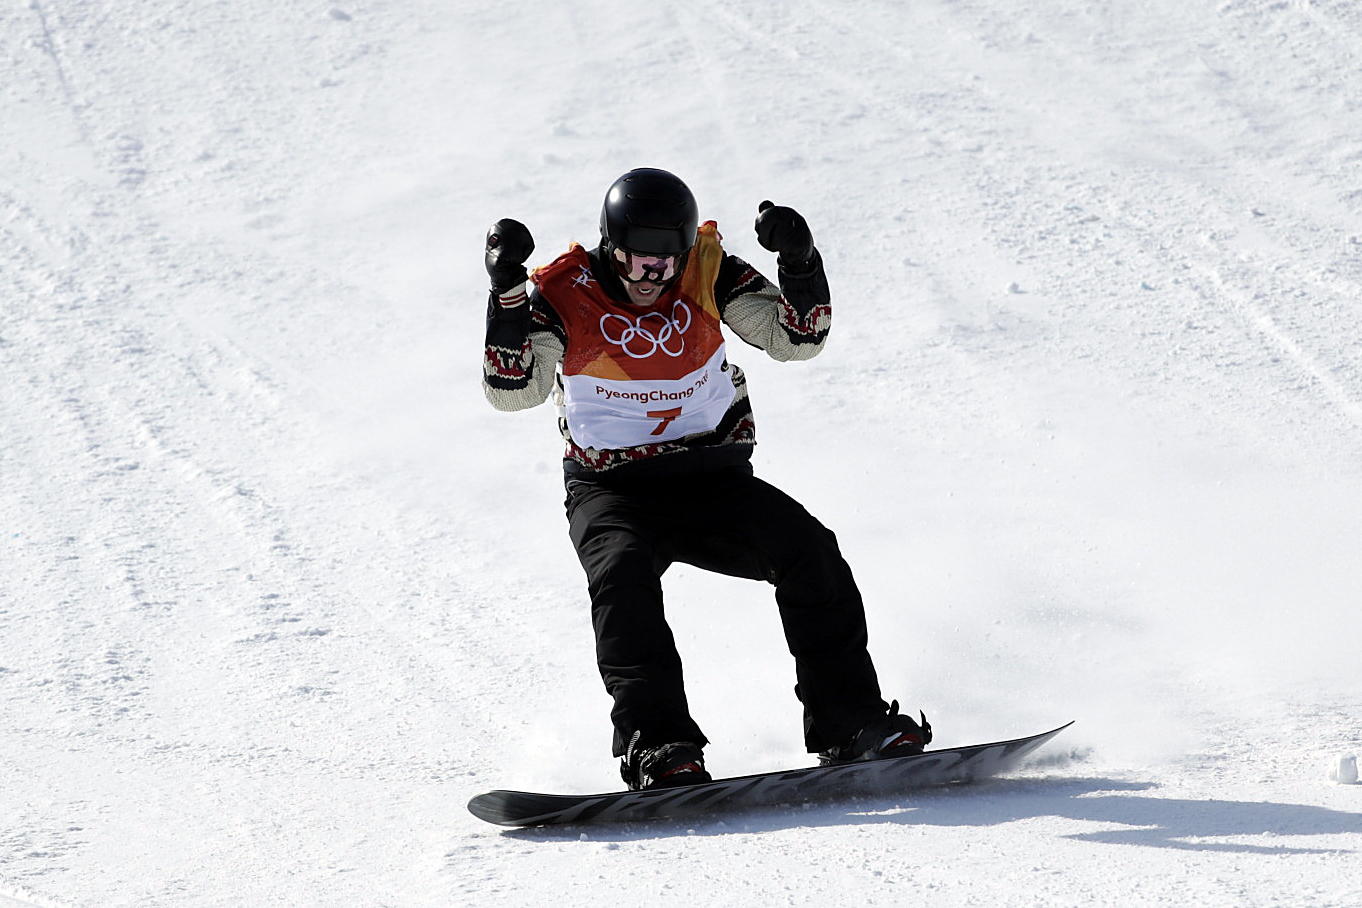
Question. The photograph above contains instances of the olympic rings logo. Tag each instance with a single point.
(648, 334)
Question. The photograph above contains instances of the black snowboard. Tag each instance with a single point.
(875, 777)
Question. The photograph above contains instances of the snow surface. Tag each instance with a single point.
(279, 590)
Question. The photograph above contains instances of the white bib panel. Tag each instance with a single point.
(606, 414)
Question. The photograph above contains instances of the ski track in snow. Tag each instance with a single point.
(280, 591)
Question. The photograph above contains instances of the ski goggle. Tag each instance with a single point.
(640, 266)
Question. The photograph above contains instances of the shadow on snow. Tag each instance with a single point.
(1144, 820)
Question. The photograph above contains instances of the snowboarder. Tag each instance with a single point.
(659, 433)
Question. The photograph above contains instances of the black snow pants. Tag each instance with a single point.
(627, 533)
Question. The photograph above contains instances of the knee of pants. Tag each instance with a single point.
(815, 556)
(612, 564)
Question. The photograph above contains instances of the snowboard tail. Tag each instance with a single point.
(875, 777)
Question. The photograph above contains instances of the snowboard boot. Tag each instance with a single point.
(891, 735)
(663, 766)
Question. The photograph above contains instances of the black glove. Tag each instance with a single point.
(509, 244)
(783, 231)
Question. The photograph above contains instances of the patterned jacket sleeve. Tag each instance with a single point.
(524, 347)
(789, 322)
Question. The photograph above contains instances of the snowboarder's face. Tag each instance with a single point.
(646, 277)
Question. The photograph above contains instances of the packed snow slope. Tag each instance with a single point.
(280, 591)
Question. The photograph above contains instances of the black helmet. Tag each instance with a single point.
(649, 211)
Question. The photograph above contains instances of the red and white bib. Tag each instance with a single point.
(637, 376)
